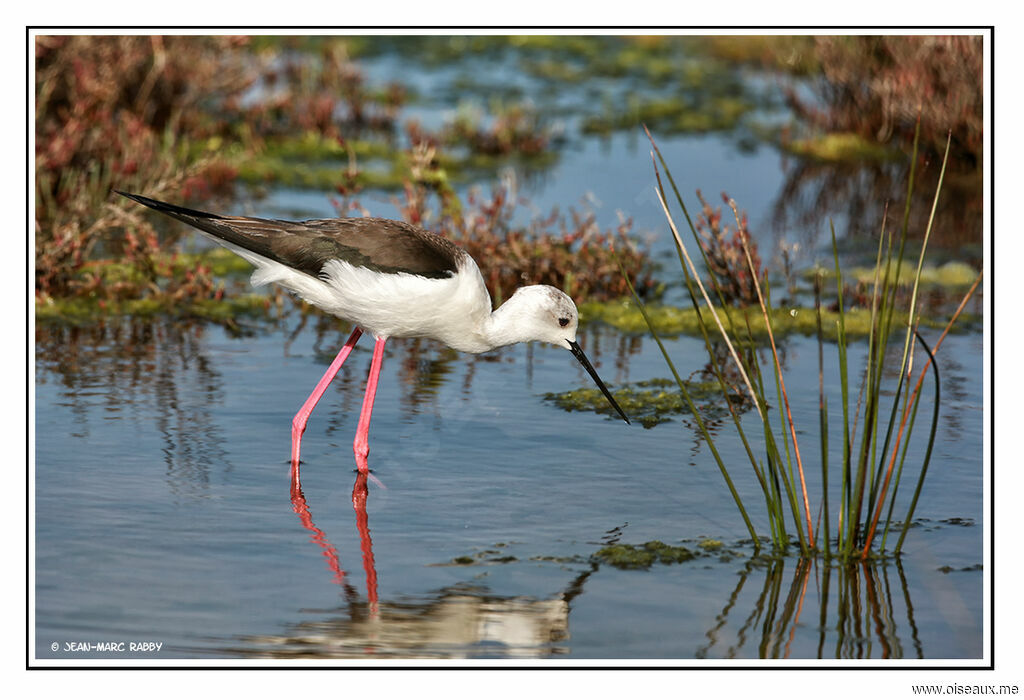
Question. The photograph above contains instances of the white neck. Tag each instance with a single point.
(536, 312)
(508, 324)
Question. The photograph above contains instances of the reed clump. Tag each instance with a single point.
(874, 425)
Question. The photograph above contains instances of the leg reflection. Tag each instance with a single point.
(360, 492)
(359, 496)
(316, 534)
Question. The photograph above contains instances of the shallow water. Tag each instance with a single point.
(164, 513)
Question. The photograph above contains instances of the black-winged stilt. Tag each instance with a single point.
(393, 280)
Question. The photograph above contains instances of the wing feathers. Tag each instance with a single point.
(381, 245)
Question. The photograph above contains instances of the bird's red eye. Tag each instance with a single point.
(563, 322)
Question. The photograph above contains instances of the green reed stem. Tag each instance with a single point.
(928, 452)
(844, 383)
(822, 415)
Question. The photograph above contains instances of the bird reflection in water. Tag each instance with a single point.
(455, 622)
(360, 491)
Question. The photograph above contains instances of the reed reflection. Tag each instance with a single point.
(861, 613)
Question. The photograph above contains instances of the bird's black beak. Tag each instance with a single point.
(577, 352)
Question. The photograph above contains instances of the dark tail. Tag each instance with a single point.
(256, 235)
(189, 216)
(220, 227)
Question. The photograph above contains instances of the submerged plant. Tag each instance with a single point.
(875, 432)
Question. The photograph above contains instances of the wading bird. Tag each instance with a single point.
(392, 280)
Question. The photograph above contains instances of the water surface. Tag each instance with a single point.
(164, 512)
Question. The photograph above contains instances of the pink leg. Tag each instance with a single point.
(361, 445)
(299, 422)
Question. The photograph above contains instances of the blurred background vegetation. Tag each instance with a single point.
(191, 119)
